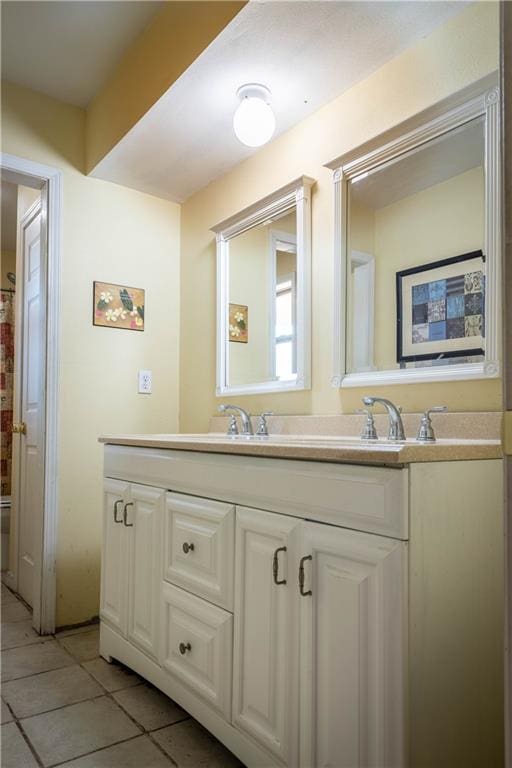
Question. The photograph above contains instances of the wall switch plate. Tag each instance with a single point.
(145, 382)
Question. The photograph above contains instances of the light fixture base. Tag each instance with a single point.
(254, 90)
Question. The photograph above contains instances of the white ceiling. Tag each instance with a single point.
(454, 153)
(9, 204)
(68, 49)
(307, 53)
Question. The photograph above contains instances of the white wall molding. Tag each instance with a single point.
(484, 104)
(22, 171)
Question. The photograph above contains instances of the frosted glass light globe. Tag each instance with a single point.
(254, 122)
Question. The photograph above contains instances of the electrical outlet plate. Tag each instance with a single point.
(145, 382)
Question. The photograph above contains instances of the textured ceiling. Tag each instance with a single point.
(307, 53)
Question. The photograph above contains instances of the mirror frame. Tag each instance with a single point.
(296, 194)
(480, 100)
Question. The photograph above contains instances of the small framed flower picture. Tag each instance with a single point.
(118, 306)
(239, 323)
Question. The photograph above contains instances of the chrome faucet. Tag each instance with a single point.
(244, 418)
(396, 427)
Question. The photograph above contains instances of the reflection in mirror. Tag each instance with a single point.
(263, 302)
(415, 272)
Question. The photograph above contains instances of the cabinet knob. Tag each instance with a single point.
(184, 647)
(188, 547)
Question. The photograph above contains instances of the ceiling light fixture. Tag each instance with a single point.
(254, 122)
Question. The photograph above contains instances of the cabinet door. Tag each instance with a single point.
(144, 518)
(265, 692)
(113, 558)
(353, 650)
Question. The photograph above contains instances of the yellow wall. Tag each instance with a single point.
(115, 234)
(444, 220)
(175, 37)
(453, 56)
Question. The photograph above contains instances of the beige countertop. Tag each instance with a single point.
(319, 447)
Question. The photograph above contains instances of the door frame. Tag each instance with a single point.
(28, 173)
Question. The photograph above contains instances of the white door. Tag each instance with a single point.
(30, 349)
(353, 650)
(114, 563)
(265, 692)
(143, 519)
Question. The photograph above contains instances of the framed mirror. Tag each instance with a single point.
(264, 294)
(417, 252)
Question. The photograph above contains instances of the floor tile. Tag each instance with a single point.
(191, 746)
(8, 596)
(15, 750)
(76, 730)
(113, 677)
(136, 753)
(83, 646)
(22, 662)
(15, 611)
(6, 713)
(18, 633)
(49, 690)
(149, 707)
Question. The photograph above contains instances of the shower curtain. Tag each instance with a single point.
(6, 385)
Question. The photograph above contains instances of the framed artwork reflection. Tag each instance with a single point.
(238, 325)
(441, 309)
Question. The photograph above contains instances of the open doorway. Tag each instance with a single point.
(28, 323)
(22, 319)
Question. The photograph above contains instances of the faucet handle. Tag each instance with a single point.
(426, 431)
(262, 429)
(369, 432)
(233, 426)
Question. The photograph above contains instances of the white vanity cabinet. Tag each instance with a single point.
(131, 562)
(294, 608)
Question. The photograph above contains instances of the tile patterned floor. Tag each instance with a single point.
(63, 705)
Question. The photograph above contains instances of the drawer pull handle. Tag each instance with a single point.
(188, 548)
(275, 566)
(184, 647)
(125, 514)
(301, 576)
(120, 520)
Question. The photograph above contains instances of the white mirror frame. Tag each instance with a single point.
(296, 194)
(429, 125)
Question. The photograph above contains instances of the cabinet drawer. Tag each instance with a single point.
(197, 646)
(199, 547)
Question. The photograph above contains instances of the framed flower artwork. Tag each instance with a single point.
(118, 306)
(238, 325)
(441, 309)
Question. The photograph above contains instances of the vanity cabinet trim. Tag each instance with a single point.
(372, 499)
